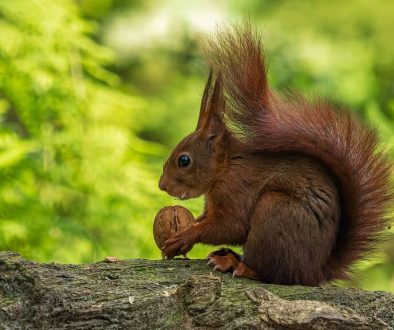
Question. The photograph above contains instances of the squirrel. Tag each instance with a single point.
(299, 184)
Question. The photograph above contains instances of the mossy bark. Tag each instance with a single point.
(169, 294)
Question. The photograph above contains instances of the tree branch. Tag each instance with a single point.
(170, 294)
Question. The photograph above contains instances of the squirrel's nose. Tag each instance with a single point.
(162, 186)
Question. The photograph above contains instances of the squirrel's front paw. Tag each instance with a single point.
(181, 243)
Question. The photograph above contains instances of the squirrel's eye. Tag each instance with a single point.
(183, 161)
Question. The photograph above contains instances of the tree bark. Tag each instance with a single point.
(173, 294)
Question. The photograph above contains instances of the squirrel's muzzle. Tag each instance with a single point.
(162, 185)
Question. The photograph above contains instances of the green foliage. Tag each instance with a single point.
(94, 94)
(70, 165)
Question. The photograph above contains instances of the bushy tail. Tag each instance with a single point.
(336, 137)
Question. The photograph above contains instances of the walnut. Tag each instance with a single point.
(168, 221)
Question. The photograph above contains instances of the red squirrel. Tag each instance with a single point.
(298, 184)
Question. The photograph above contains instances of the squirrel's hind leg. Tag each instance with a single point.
(287, 243)
(225, 260)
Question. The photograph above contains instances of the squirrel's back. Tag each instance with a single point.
(347, 147)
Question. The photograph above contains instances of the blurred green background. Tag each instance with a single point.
(94, 94)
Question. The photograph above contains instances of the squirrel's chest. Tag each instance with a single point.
(233, 201)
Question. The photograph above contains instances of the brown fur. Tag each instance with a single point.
(298, 184)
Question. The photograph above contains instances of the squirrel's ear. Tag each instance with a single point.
(204, 101)
(212, 109)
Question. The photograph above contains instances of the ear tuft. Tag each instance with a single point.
(204, 101)
(212, 108)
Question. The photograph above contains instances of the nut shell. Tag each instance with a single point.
(168, 221)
